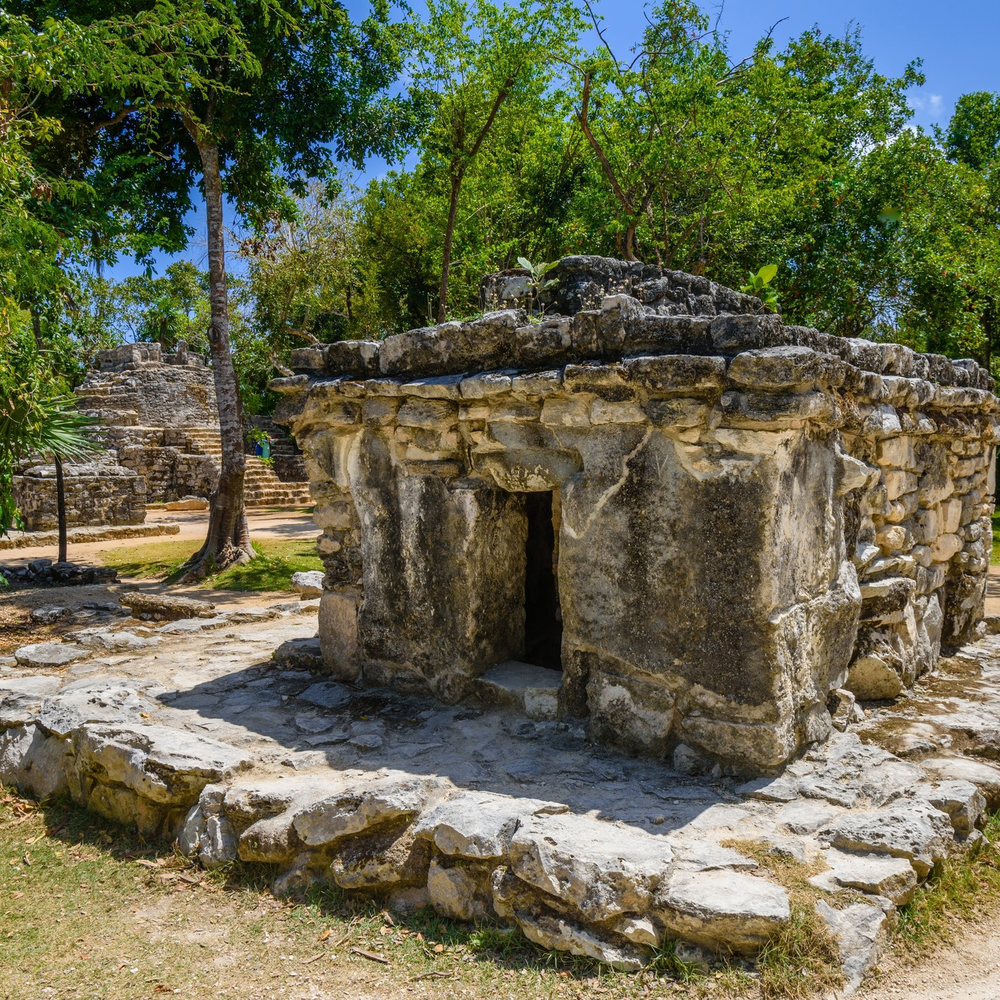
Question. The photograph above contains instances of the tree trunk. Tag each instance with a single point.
(228, 540)
(449, 237)
(60, 507)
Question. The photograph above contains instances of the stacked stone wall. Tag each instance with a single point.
(750, 515)
(95, 493)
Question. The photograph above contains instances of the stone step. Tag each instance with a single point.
(525, 687)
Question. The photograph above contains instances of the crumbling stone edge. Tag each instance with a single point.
(570, 882)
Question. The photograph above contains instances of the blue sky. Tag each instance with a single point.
(957, 44)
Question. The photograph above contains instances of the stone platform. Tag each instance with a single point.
(93, 533)
(193, 730)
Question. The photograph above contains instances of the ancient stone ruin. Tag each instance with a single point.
(160, 429)
(653, 505)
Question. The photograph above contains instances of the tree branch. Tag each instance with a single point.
(609, 172)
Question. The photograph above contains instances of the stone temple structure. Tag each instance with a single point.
(160, 428)
(653, 505)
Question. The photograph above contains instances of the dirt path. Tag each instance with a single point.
(968, 969)
(194, 524)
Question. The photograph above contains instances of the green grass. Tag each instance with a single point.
(88, 908)
(960, 891)
(995, 555)
(277, 559)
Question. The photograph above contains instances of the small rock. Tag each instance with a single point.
(724, 910)
(326, 694)
(961, 800)
(860, 932)
(843, 708)
(877, 874)
(308, 583)
(48, 613)
(49, 654)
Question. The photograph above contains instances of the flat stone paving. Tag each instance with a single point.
(191, 729)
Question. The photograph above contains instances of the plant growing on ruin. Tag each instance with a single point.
(537, 282)
(759, 284)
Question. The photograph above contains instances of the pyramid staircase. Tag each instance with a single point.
(261, 488)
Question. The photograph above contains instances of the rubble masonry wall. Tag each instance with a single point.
(749, 515)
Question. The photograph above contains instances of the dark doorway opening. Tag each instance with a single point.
(542, 618)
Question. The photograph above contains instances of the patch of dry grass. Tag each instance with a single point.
(962, 890)
(803, 959)
(88, 909)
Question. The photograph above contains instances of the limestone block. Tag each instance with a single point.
(353, 811)
(679, 412)
(652, 334)
(677, 374)
(166, 766)
(114, 641)
(786, 367)
(625, 412)
(460, 892)
(961, 800)
(338, 633)
(545, 342)
(356, 358)
(308, 583)
(553, 932)
(946, 546)
(897, 452)
(877, 874)
(166, 606)
(630, 712)
(485, 385)
(872, 678)
(898, 482)
(41, 655)
(723, 911)
(927, 525)
(912, 829)
(104, 699)
(271, 840)
(951, 516)
(479, 825)
(386, 858)
(984, 776)
(861, 931)
(34, 762)
(894, 538)
(483, 343)
(598, 869)
(806, 815)
(565, 412)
